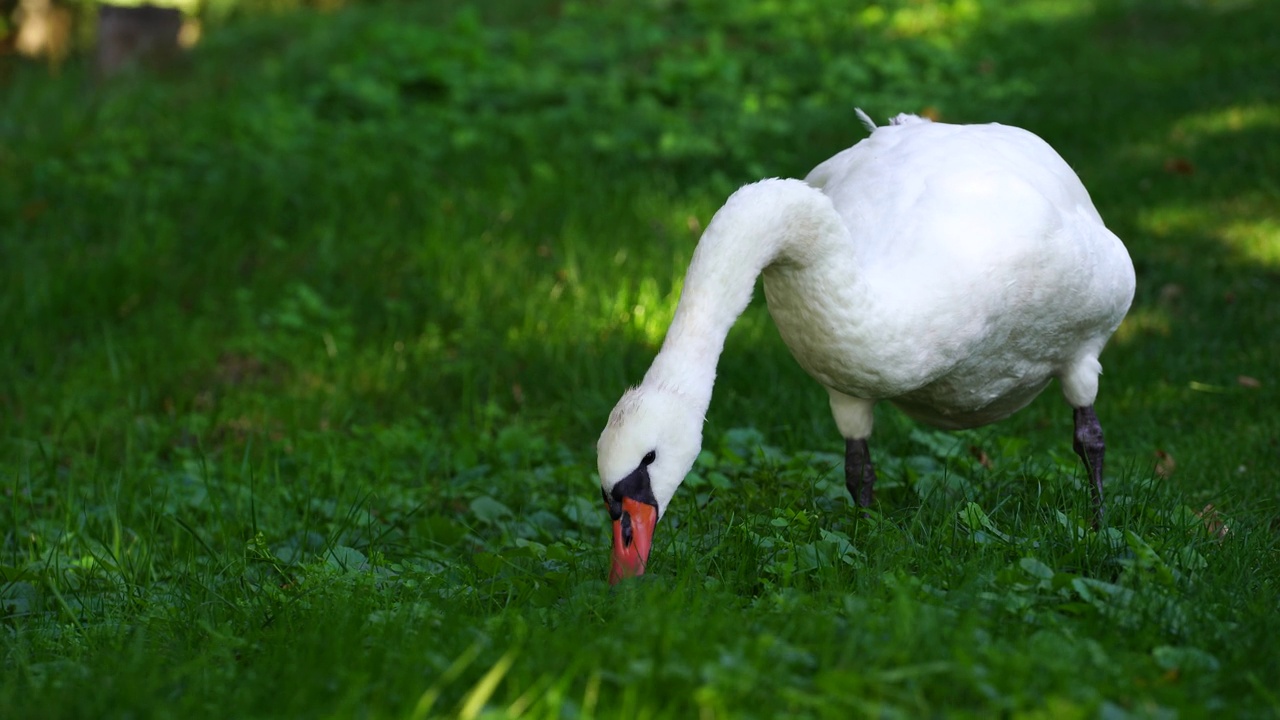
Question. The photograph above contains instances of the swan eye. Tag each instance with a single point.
(649, 458)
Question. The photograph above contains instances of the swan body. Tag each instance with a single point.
(953, 270)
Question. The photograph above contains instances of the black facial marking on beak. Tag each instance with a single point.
(635, 486)
(614, 506)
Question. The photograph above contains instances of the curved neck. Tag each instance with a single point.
(769, 222)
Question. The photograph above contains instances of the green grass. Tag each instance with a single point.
(306, 344)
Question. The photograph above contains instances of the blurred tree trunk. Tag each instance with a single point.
(129, 36)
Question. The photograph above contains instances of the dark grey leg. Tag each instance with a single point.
(1089, 446)
(859, 475)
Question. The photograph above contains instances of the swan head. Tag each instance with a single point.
(653, 436)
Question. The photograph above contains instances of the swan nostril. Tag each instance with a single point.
(627, 535)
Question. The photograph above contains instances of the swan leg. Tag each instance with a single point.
(1090, 447)
(859, 473)
(854, 417)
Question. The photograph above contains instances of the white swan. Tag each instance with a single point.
(950, 269)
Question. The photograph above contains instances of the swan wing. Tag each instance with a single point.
(977, 268)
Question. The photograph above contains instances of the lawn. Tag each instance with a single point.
(307, 341)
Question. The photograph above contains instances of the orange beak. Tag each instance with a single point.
(632, 538)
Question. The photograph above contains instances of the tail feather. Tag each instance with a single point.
(866, 120)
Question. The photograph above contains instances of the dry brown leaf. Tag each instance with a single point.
(1169, 293)
(234, 369)
(981, 456)
(1249, 382)
(1179, 166)
(34, 209)
(1213, 521)
(1165, 464)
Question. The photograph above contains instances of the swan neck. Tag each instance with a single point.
(773, 221)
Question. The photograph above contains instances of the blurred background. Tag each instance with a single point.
(486, 208)
(118, 33)
(474, 207)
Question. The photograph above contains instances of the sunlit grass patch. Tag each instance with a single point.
(1144, 321)
(1233, 119)
(1243, 226)
(1257, 241)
